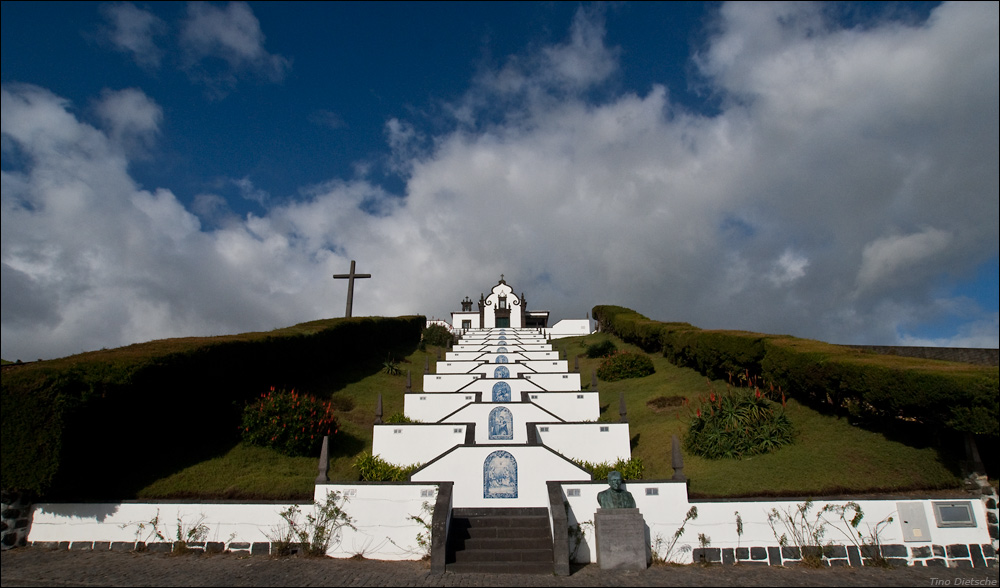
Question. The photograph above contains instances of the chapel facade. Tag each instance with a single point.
(501, 309)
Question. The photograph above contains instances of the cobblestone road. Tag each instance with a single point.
(38, 567)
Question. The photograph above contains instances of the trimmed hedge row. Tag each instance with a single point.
(73, 427)
(947, 396)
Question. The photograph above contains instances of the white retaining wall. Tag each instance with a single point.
(664, 513)
(434, 383)
(535, 465)
(430, 408)
(570, 406)
(517, 385)
(569, 328)
(380, 512)
(522, 414)
(567, 382)
(593, 442)
(410, 444)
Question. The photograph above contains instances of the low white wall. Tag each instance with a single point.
(521, 413)
(535, 465)
(540, 355)
(109, 522)
(570, 406)
(382, 516)
(488, 357)
(447, 382)
(550, 366)
(593, 442)
(430, 408)
(409, 444)
(664, 513)
(517, 385)
(486, 369)
(569, 328)
(566, 382)
(380, 513)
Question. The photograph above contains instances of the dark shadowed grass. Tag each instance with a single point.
(246, 472)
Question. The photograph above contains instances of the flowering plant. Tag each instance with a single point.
(739, 423)
(291, 423)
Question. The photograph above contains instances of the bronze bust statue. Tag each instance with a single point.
(614, 496)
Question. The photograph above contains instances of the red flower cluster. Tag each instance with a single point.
(265, 422)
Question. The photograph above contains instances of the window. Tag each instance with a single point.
(954, 514)
(466, 324)
(572, 492)
(652, 491)
(605, 429)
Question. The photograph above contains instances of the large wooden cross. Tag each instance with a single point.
(350, 285)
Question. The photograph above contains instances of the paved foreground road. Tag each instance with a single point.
(37, 567)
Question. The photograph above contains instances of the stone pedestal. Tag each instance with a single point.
(621, 539)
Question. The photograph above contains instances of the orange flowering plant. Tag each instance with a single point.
(291, 423)
(740, 422)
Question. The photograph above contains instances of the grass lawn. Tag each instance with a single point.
(829, 456)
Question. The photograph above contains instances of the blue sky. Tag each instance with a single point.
(828, 171)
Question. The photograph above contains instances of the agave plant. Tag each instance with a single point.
(738, 423)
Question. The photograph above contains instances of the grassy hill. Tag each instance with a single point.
(830, 455)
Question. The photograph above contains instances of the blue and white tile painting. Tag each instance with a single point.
(501, 372)
(501, 350)
(500, 475)
(500, 359)
(501, 392)
(503, 337)
(501, 424)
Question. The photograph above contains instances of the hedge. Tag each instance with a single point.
(947, 396)
(72, 426)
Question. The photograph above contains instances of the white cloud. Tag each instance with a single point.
(847, 171)
(980, 333)
(132, 119)
(233, 35)
(789, 267)
(134, 30)
(889, 258)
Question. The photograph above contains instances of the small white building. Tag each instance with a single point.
(501, 309)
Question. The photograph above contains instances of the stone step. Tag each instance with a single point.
(508, 555)
(500, 540)
(509, 543)
(502, 522)
(533, 568)
(501, 532)
(505, 512)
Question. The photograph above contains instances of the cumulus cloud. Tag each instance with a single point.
(847, 171)
(231, 35)
(134, 31)
(131, 118)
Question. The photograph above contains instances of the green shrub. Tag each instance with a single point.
(398, 418)
(288, 422)
(625, 364)
(436, 335)
(739, 423)
(602, 349)
(373, 468)
(630, 469)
